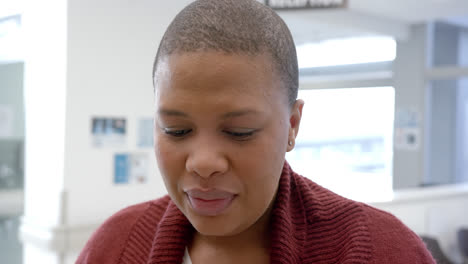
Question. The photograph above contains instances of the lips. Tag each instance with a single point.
(209, 203)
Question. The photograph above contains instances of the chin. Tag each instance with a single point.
(215, 225)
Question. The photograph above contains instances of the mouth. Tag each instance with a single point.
(209, 203)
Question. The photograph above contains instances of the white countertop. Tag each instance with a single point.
(427, 193)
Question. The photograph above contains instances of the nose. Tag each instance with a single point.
(206, 160)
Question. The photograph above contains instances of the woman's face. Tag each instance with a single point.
(222, 126)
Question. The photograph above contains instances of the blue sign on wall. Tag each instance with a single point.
(121, 168)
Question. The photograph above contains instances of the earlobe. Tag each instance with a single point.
(291, 132)
(290, 145)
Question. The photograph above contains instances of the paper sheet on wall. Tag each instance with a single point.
(407, 129)
(6, 121)
(130, 168)
(108, 131)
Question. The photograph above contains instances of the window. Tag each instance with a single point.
(11, 49)
(346, 51)
(345, 141)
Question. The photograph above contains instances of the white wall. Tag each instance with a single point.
(410, 93)
(110, 52)
(85, 59)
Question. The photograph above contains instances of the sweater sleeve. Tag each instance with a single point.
(393, 242)
(108, 241)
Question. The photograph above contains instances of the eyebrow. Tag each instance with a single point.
(169, 112)
(239, 113)
(243, 112)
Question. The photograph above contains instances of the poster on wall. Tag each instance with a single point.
(108, 132)
(6, 121)
(145, 133)
(407, 129)
(130, 168)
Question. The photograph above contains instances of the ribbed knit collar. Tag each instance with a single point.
(288, 228)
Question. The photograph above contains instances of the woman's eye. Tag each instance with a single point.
(177, 132)
(240, 135)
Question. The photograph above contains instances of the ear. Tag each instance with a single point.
(294, 122)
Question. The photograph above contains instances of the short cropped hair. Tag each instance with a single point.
(234, 27)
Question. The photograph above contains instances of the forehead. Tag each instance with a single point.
(217, 72)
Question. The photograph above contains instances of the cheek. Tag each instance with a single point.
(261, 167)
(171, 163)
(270, 150)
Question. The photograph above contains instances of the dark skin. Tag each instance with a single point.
(223, 121)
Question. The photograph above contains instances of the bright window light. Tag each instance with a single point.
(346, 51)
(11, 40)
(345, 141)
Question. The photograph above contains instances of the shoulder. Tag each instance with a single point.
(371, 233)
(109, 240)
(394, 242)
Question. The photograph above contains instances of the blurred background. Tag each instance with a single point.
(385, 120)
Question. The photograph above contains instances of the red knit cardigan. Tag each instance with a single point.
(309, 224)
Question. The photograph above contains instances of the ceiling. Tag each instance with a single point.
(361, 17)
(371, 17)
(412, 11)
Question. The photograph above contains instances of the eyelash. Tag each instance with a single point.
(177, 133)
(183, 132)
(240, 135)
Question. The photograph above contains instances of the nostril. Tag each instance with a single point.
(206, 166)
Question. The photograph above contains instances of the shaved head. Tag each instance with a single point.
(233, 27)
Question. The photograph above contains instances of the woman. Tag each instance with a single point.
(226, 81)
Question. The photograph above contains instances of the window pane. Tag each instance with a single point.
(345, 141)
(11, 49)
(346, 51)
